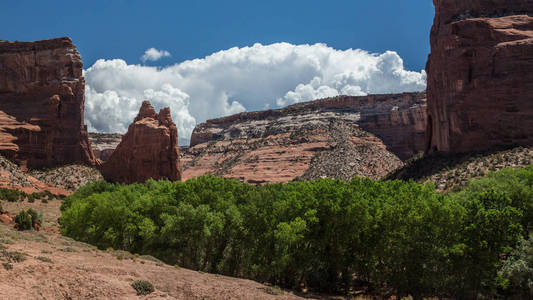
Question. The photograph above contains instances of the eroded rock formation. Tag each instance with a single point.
(42, 103)
(148, 150)
(337, 137)
(480, 75)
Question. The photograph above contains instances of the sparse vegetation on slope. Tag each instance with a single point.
(389, 237)
(23, 183)
(452, 172)
(69, 177)
(354, 152)
(12, 174)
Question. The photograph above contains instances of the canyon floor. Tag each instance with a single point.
(45, 265)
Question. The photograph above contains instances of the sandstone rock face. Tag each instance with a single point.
(104, 144)
(337, 137)
(480, 75)
(148, 150)
(41, 104)
(6, 219)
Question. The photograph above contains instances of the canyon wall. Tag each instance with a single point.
(104, 144)
(480, 75)
(338, 137)
(148, 150)
(42, 103)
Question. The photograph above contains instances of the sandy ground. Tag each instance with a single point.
(57, 267)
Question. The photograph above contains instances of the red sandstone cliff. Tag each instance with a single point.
(41, 104)
(480, 75)
(148, 150)
(337, 137)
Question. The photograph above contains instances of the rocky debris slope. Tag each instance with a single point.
(352, 152)
(148, 150)
(69, 177)
(12, 177)
(104, 144)
(480, 75)
(452, 172)
(337, 137)
(42, 103)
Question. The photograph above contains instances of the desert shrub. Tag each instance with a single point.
(1, 208)
(33, 196)
(44, 259)
(143, 287)
(10, 194)
(330, 235)
(13, 256)
(68, 249)
(36, 217)
(7, 266)
(23, 220)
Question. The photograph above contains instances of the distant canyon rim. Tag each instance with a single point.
(479, 66)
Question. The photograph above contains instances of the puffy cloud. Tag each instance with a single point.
(239, 79)
(153, 54)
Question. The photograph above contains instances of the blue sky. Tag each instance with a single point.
(193, 29)
(230, 56)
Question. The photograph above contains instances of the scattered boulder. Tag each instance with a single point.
(148, 150)
(6, 219)
(42, 95)
(480, 75)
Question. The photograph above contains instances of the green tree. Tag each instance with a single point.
(517, 270)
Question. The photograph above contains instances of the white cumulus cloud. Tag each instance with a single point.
(239, 79)
(153, 54)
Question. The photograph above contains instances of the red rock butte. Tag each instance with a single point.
(41, 104)
(148, 150)
(480, 75)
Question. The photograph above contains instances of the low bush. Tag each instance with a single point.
(36, 217)
(13, 256)
(23, 220)
(10, 195)
(44, 259)
(143, 287)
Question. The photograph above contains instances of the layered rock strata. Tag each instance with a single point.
(337, 137)
(148, 150)
(104, 144)
(42, 103)
(480, 75)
